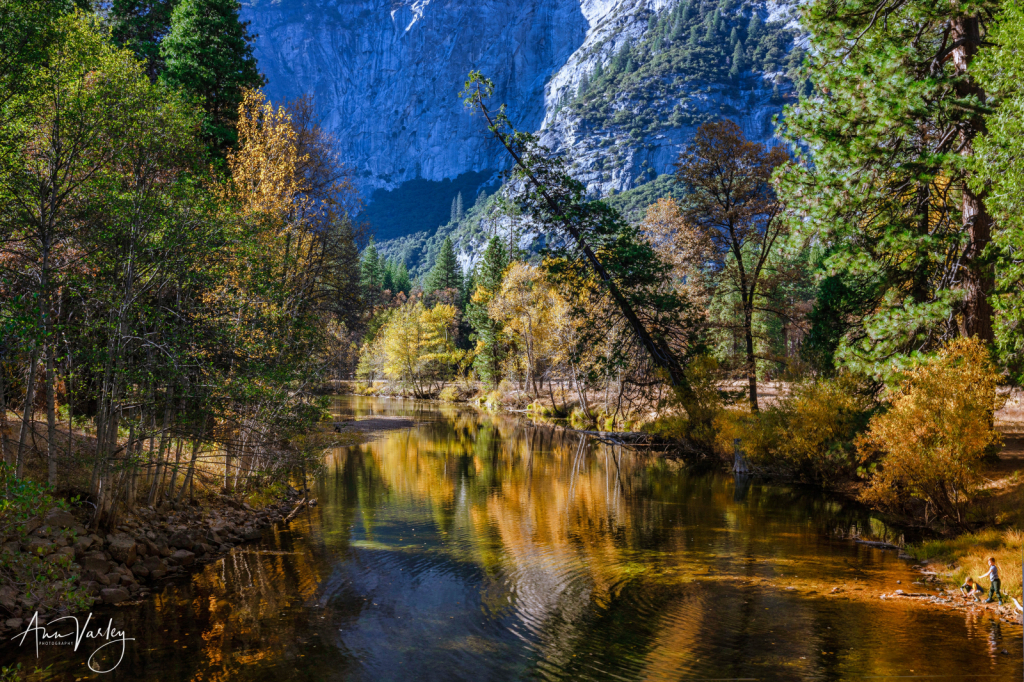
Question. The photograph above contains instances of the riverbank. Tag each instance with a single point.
(150, 547)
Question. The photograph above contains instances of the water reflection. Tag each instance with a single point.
(481, 548)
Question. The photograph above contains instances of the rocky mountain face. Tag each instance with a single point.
(386, 74)
(617, 85)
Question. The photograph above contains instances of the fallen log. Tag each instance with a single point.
(295, 511)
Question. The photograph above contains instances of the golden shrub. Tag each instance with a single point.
(808, 435)
(935, 434)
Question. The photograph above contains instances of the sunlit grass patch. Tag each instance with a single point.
(967, 555)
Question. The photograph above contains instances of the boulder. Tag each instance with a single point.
(12, 546)
(114, 595)
(82, 545)
(39, 546)
(180, 540)
(14, 623)
(184, 557)
(58, 518)
(140, 569)
(122, 549)
(156, 567)
(90, 575)
(251, 534)
(8, 596)
(96, 563)
(32, 524)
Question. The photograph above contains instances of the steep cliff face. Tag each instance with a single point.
(617, 85)
(386, 74)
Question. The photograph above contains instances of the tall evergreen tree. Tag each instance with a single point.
(490, 346)
(208, 52)
(140, 25)
(890, 191)
(388, 280)
(371, 273)
(402, 281)
(739, 59)
(446, 274)
(460, 212)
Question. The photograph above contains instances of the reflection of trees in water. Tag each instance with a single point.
(570, 535)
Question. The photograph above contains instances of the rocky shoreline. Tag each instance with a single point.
(150, 547)
(932, 590)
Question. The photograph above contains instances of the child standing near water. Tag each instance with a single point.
(993, 577)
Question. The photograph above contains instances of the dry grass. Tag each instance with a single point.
(967, 555)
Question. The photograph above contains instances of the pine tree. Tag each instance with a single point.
(598, 71)
(739, 59)
(388, 280)
(371, 273)
(454, 215)
(694, 36)
(208, 52)
(584, 85)
(402, 282)
(734, 37)
(481, 200)
(140, 25)
(890, 194)
(447, 273)
(491, 349)
(754, 29)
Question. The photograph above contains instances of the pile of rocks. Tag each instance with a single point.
(152, 545)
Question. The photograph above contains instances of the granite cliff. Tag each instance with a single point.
(618, 85)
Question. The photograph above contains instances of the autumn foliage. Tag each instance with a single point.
(933, 438)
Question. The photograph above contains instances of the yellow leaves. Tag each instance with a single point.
(265, 167)
(538, 319)
(938, 427)
(682, 245)
(416, 345)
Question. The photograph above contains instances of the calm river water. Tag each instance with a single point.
(478, 548)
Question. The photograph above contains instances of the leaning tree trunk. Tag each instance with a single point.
(191, 470)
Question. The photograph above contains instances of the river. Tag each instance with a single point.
(478, 547)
